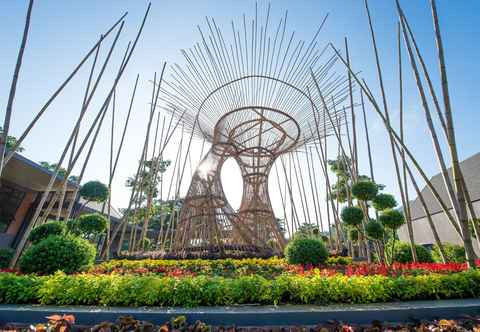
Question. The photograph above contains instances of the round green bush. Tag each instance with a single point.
(365, 190)
(94, 191)
(384, 201)
(374, 230)
(403, 253)
(353, 234)
(392, 219)
(306, 251)
(43, 231)
(90, 224)
(453, 253)
(6, 256)
(352, 216)
(65, 253)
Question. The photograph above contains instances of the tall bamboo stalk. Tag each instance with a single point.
(13, 88)
(387, 116)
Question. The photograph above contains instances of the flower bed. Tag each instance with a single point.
(268, 268)
(152, 290)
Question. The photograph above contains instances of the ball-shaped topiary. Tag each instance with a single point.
(392, 219)
(453, 253)
(65, 253)
(94, 191)
(306, 251)
(375, 230)
(41, 232)
(91, 224)
(403, 253)
(352, 215)
(384, 201)
(365, 190)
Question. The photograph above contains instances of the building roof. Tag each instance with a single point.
(471, 172)
(27, 174)
(97, 207)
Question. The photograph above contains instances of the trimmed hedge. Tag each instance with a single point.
(115, 290)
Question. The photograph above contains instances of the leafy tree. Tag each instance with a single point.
(11, 141)
(375, 230)
(61, 171)
(94, 191)
(90, 225)
(392, 219)
(384, 201)
(307, 230)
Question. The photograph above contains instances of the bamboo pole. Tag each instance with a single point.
(57, 92)
(13, 88)
(456, 170)
(387, 116)
(408, 215)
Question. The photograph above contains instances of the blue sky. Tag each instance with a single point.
(62, 32)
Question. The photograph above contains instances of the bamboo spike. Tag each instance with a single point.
(13, 89)
(387, 116)
(354, 126)
(57, 92)
(387, 125)
(456, 170)
(310, 180)
(408, 215)
(283, 201)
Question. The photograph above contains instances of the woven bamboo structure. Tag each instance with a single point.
(249, 98)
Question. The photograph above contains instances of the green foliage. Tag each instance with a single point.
(61, 171)
(307, 230)
(352, 215)
(384, 201)
(6, 255)
(353, 234)
(94, 191)
(339, 260)
(89, 225)
(65, 253)
(306, 251)
(41, 232)
(392, 219)
(403, 253)
(11, 141)
(365, 190)
(374, 230)
(453, 253)
(149, 290)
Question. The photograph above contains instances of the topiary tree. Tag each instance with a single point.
(352, 216)
(453, 253)
(375, 231)
(58, 253)
(306, 251)
(41, 232)
(384, 201)
(392, 219)
(307, 230)
(90, 225)
(365, 190)
(94, 191)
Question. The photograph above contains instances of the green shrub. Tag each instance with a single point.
(91, 224)
(306, 251)
(392, 219)
(339, 260)
(6, 256)
(365, 190)
(43, 231)
(65, 253)
(353, 234)
(384, 201)
(374, 230)
(453, 253)
(149, 290)
(352, 215)
(403, 253)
